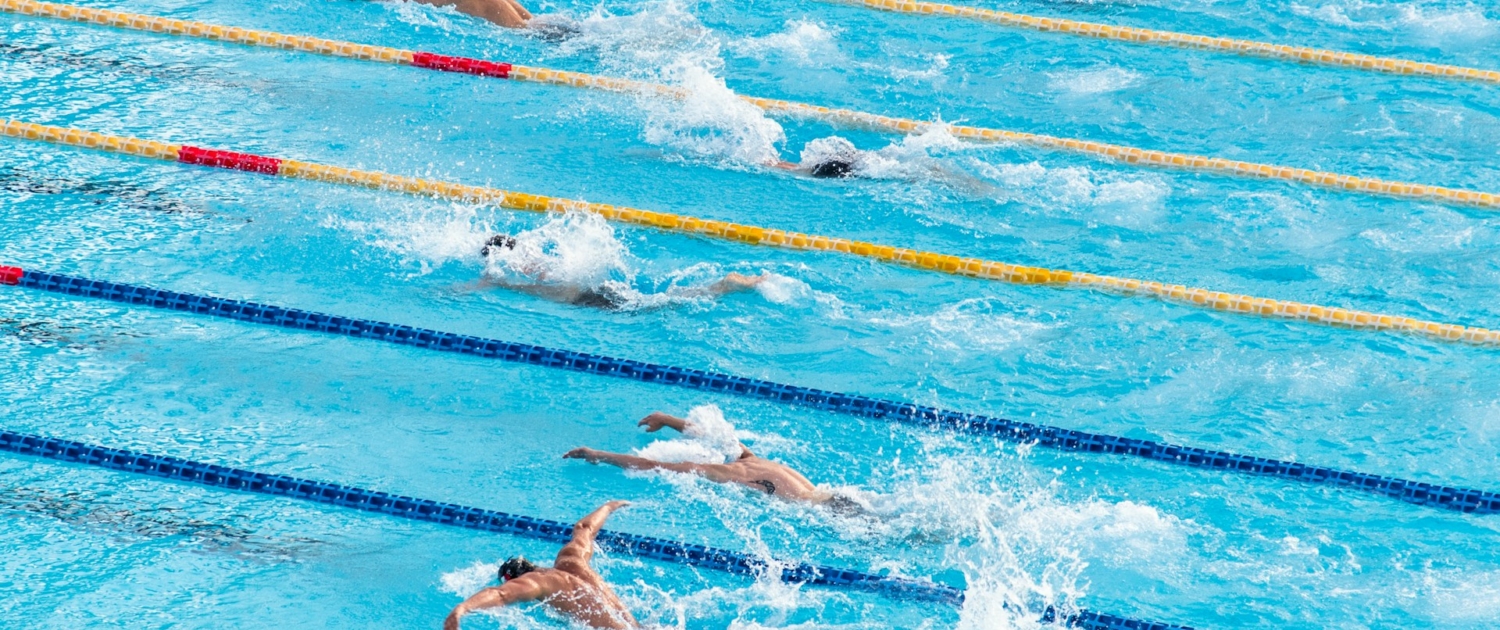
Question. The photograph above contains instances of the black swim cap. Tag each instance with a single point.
(515, 567)
(498, 240)
(832, 169)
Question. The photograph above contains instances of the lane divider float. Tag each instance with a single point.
(1420, 493)
(931, 261)
(840, 117)
(1280, 52)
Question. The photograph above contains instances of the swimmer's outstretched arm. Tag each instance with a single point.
(629, 462)
(507, 13)
(716, 473)
(521, 589)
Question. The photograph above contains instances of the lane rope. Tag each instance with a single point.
(840, 117)
(1280, 52)
(1416, 492)
(931, 261)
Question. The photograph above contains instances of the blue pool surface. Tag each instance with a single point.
(1019, 526)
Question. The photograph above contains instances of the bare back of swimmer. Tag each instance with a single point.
(751, 470)
(507, 13)
(571, 586)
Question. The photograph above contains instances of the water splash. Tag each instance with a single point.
(1442, 26)
(802, 41)
(573, 248)
(708, 439)
(665, 43)
(712, 121)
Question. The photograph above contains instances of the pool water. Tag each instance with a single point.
(1020, 527)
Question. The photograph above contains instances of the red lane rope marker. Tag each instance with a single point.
(229, 159)
(464, 65)
(11, 275)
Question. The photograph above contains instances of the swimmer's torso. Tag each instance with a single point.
(772, 478)
(585, 598)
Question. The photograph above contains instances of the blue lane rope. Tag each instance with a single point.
(1417, 492)
(216, 476)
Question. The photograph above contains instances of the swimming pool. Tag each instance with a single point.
(1015, 525)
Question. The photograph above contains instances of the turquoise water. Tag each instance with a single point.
(94, 548)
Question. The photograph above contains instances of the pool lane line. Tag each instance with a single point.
(1421, 493)
(1152, 37)
(753, 235)
(692, 555)
(839, 117)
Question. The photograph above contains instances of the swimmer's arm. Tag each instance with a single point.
(631, 462)
(521, 589)
(657, 420)
(581, 548)
(507, 13)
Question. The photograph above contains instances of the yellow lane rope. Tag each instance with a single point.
(1299, 54)
(842, 117)
(944, 263)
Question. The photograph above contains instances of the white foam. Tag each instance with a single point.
(1433, 240)
(975, 323)
(1443, 27)
(928, 67)
(709, 439)
(779, 289)
(1461, 596)
(636, 45)
(422, 233)
(1130, 199)
(1094, 80)
(802, 41)
(712, 121)
(471, 579)
(573, 248)
(664, 42)
(1448, 27)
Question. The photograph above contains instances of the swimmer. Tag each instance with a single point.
(570, 587)
(826, 158)
(750, 470)
(507, 13)
(837, 158)
(607, 296)
(827, 169)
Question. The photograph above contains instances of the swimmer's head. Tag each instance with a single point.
(515, 567)
(499, 240)
(831, 169)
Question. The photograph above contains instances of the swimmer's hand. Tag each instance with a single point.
(584, 453)
(656, 421)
